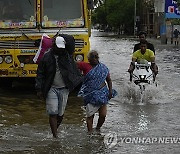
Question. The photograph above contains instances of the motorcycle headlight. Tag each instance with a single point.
(142, 77)
(1, 59)
(79, 58)
(8, 59)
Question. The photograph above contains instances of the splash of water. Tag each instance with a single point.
(132, 94)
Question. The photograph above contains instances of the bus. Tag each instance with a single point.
(22, 24)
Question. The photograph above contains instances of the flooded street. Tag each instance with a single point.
(24, 126)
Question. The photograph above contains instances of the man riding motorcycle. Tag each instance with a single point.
(142, 36)
(146, 54)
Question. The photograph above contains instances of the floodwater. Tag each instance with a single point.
(154, 121)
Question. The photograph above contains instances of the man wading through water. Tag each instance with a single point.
(57, 75)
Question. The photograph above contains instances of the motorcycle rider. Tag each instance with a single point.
(142, 36)
(143, 53)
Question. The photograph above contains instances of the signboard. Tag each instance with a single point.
(159, 5)
(172, 8)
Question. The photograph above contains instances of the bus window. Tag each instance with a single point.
(17, 11)
(64, 10)
(12, 10)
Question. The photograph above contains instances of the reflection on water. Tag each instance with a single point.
(24, 126)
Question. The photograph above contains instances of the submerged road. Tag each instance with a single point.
(152, 126)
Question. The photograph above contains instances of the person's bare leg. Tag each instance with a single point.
(89, 121)
(53, 124)
(102, 116)
(59, 120)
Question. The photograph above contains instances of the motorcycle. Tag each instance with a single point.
(143, 75)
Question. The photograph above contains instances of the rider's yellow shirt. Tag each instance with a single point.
(147, 55)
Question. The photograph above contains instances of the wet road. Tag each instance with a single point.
(24, 124)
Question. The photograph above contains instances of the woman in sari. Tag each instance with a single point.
(96, 89)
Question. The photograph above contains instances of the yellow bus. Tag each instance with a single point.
(23, 22)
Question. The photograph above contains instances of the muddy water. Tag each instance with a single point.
(24, 124)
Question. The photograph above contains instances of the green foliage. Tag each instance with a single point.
(99, 15)
(178, 1)
(115, 13)
(120, 12)
(175, 21)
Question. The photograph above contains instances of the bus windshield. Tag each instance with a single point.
(17, 13)
(62, 13)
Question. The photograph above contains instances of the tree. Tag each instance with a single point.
(99, 16)
(116, 14)
(120, 14)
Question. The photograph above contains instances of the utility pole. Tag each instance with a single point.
(134, 17)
